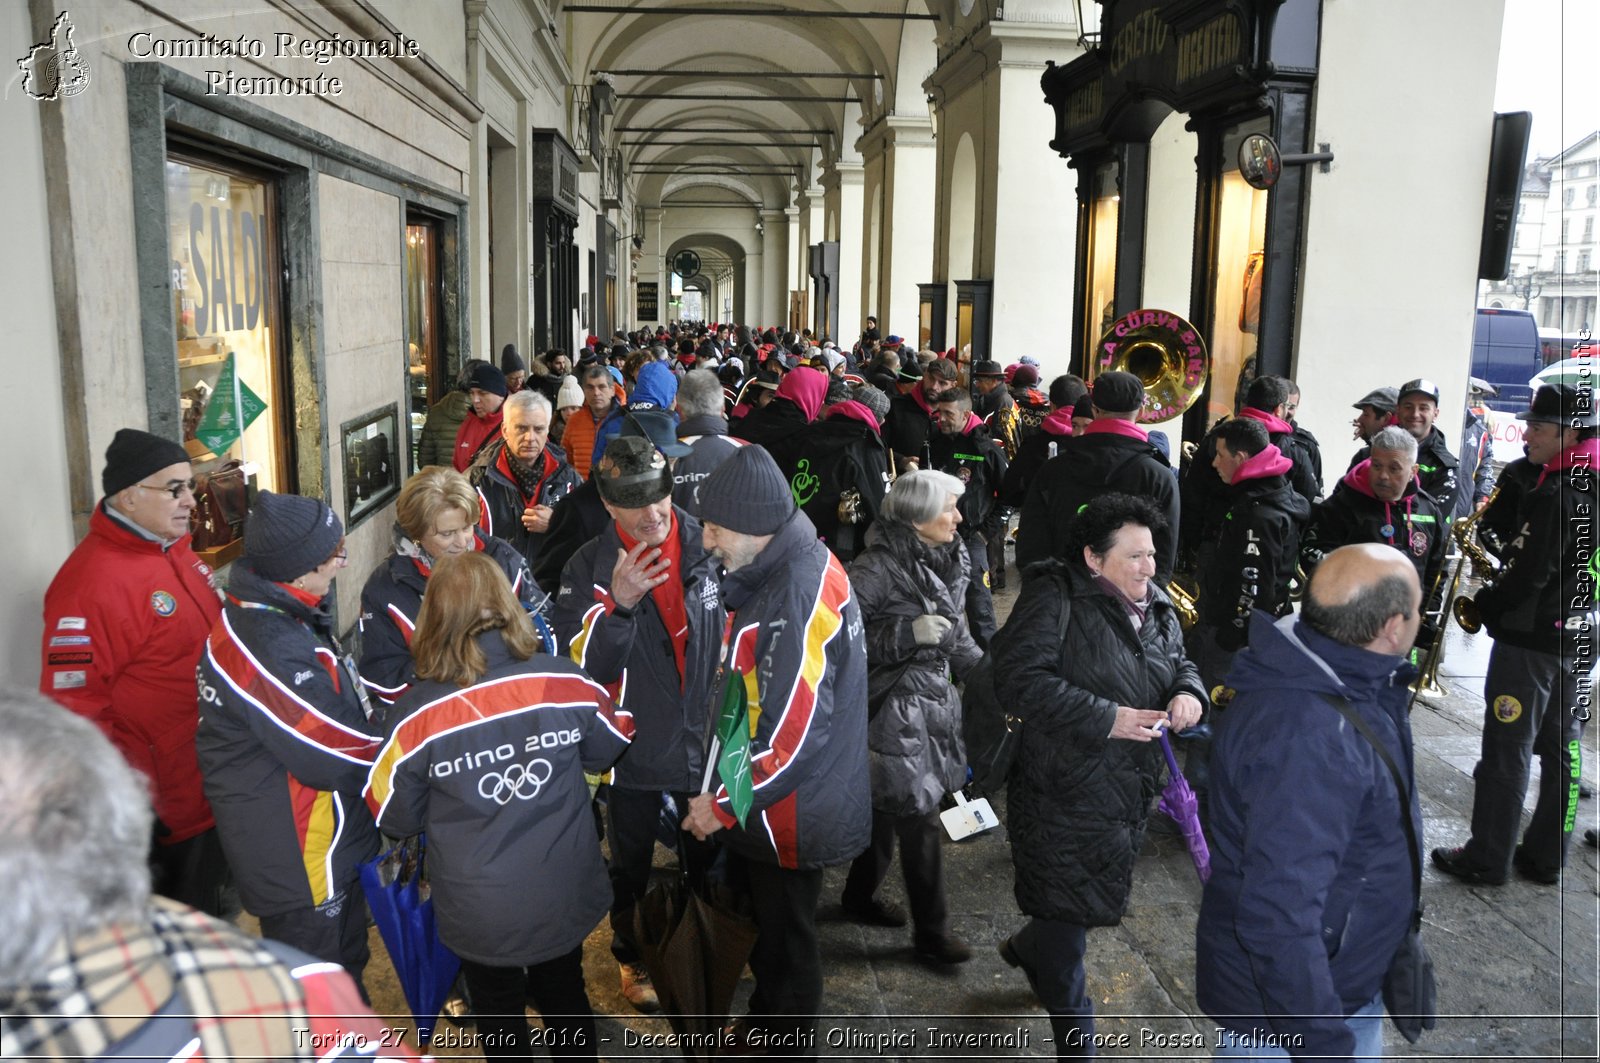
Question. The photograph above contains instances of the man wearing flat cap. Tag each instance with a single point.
(1373, 411)
(124, 623)
(1416, 409)
(797, 649)
(1113, 455)
(1540, 610)
(910, 420)
(639, 610)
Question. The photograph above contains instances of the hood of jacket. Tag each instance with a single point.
(1058, 422)
(656, 385)
(1270, 462)
(787, 542)
(1116, 426)
(1584, 454)
(245, 584)
(702, 424)
(852, 410)
(806, 388)
(1276, 425)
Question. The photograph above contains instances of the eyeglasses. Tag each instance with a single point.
(175, 488)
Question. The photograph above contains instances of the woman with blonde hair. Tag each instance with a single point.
(436, 517)
(486, 752)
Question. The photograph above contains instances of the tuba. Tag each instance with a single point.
(1162, 350)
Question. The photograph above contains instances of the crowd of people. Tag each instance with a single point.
(597, 552)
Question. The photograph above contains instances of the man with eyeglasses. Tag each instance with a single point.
(125, 620)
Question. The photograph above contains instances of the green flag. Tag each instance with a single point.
(229, 412)
(733, 731)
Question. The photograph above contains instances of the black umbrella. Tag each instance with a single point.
(695, 944)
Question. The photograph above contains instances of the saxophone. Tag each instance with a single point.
(1464, 608)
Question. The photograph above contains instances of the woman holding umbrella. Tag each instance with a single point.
(487, 753)
(1089, 765)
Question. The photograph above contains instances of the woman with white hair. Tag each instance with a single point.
(912, 583)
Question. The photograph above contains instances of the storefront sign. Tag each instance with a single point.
(226, 257)
(1215, 45)
(647, 305)
(1144, 35)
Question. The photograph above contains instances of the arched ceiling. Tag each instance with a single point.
(758, 92)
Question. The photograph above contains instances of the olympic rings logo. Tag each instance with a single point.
(520, 781)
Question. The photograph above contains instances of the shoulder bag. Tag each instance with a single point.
(1410, 994)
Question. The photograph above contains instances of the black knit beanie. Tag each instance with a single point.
(287, 536)
(133, 455)
(746, 493)
(511, 361)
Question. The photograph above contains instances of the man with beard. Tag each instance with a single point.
(910, 420)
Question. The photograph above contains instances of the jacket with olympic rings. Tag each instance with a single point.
(494, 773)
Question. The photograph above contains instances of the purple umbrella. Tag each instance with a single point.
(1179, 802)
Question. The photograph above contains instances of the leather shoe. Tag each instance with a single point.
(947, 949)
(1008, 952)
(636, 988)
(1454, 863)
(874, 912)
(1531, 871)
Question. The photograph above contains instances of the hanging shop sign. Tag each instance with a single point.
(647, 303)
(1157, 56)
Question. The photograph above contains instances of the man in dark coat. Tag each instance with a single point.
(1204, 495)
(910, 420)
(799, 651)
(1378, 501)
(1113, 455)
(1259, 549)
(521, 477)
(1541, 612)
(961, 447)
(639, 611)
(1311, 885)
(1040, 446)
(703, 428)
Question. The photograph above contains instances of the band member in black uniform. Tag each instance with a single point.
(1541, 612)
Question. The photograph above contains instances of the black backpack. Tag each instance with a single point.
(990, 733)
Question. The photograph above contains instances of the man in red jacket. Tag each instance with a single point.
(124, 622)
(487, 391)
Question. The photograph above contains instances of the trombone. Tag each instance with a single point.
(1462, 607)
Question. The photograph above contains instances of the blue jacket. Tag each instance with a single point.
(657, 387)
(1311, 884)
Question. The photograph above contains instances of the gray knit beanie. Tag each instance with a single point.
(287, 536)
(746, 493)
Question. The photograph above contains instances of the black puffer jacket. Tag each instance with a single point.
(1258, 551)
(914, 740)
(1078, 798)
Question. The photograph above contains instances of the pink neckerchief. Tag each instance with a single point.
(1585, 454)
(1116, 426)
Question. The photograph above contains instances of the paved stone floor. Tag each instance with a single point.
(1516, 964)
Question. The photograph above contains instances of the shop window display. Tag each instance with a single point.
(1240, 265)
(225, 262)
(1104, 207)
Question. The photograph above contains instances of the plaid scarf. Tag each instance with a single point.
(102, 988)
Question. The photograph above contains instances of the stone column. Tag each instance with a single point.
(905, 149)
(775, 259)
(842, 183)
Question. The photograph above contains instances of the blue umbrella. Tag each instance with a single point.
(1179, 802)
(402, 906)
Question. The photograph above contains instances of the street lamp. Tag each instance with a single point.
(1088, 24)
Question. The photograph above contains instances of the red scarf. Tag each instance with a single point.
(668, 594)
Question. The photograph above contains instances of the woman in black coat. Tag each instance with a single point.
(1088, 768)
(912, 584)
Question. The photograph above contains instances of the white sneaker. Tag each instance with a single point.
(636, 988)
